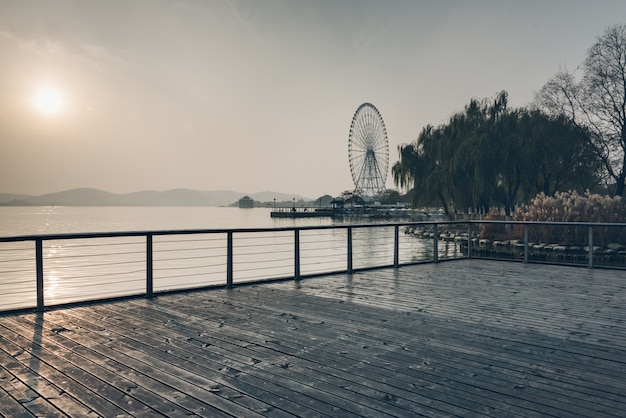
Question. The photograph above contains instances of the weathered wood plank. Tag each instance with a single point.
(13, 395)
(11, 408)
(225, 328)
(97, 394)
(199, 374)
(138, 393)
(239, 366)
(317, 333)
(258, 360)
(161, 397)
(359, 385)
(36, 385)
(463, 338)
(279, 298)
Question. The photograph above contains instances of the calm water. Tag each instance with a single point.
(83, 269)
(65, 219)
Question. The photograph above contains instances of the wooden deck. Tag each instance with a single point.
(461, 338)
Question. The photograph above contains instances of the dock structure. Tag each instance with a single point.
(302, 212)
(458, 338)
(365, 212)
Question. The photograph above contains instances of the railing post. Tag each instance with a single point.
(590, 252)
(149, 267)
(296, 255)
(396, 246)
(229, 259)
(39, 267)
(350, 249)
(469, 240)
(525, 243)
(436, 244)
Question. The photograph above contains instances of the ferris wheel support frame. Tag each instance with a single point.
(368, 151)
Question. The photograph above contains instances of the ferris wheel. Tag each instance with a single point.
(368, 151)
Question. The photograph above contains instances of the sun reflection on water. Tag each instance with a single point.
(52, 287)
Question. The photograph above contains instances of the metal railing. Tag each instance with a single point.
(568, 243)
(40, 271)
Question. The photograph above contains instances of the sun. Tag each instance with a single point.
(49, 101)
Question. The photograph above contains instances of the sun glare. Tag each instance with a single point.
(49, 101)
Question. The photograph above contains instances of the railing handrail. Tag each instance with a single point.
(296, 230)
(143, 233)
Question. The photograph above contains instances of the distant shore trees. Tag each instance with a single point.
(573, 137)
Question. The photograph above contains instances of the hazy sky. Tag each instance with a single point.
(256, 95)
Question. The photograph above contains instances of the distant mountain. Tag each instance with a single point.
(176, 197)
(76, 197)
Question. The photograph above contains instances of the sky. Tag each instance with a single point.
(256, 95)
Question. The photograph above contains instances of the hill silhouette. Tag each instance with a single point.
(175, 197)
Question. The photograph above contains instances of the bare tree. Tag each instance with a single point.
(597, 103)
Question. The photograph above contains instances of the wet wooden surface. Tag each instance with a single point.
(462, 338)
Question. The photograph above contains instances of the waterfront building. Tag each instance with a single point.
(246, 202)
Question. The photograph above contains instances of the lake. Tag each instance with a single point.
(70, 219)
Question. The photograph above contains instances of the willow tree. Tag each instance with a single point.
(597, 103)
(421, 169)
(448, 163)
(478, 163)
(491, 155)
(463, 132)
(562, 158)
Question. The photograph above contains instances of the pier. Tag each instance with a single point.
(456, 338)
(302, 212)
(363, 212)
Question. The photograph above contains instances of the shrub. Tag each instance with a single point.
(495, 231)
(567, 207)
